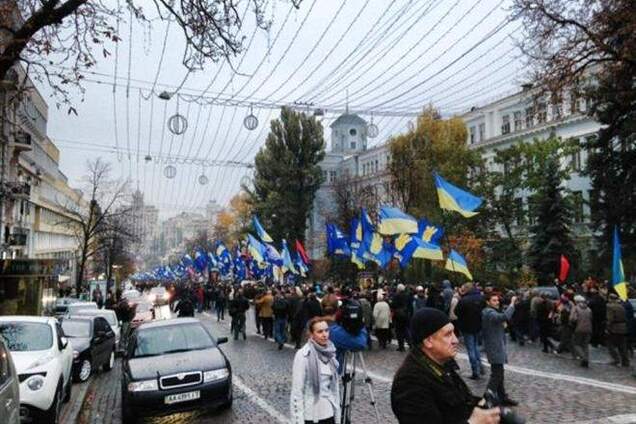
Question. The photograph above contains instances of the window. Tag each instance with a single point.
(505, 124)
(353, 132)
(542, 113)
(557, 111)
(482, 132)
(574, 103)
(26, 336)
(472, 135)
(529, 117)
(575, 161)
(577, 206)
(161, 340)
(353, 145)
(377, 165)
(332, 176)
(518, 121)
(77, 328)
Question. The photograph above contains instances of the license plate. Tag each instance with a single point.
(182, 397)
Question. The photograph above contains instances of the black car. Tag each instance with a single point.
(93, 343)
(172, 366)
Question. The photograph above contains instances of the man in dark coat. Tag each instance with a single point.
(597, 305)
(239, 305)
(402, 308)
(427, 388)
(468, 313)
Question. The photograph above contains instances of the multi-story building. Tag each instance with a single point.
(34, 193)
(495, 126)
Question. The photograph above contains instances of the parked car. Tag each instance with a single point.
(144, 312)
(9, 388)
(109, 315)
(174, 365)
(61, 305)
(159, 295)
(93, 344)
(43, 359)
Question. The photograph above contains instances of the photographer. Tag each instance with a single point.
(427, 388)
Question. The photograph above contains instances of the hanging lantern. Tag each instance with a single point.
(203, 180)
(372, 130)
(177, 124)
(148, 158)
(246, 181)
(170, 171)
(250, 122)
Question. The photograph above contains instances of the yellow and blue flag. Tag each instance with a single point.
(288, 264)
(411, 246)
(337, 242)
(456, 263)
(256, 249)
(429, 232)
(393, 221)
(453, 198)
(618, 274)
(380, 251)
(260, 231)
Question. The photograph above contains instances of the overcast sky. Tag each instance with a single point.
(393, 58)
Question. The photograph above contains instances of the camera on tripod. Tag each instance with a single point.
(506, 415)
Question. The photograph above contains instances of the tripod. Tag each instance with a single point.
(350, 363)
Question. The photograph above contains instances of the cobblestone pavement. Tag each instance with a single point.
(551, 389)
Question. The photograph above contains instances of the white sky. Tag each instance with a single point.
(415, 53)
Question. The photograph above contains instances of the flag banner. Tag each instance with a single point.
(453, 198)
(260, 231)
(256, 248)
(411, 246)
(619, 282)
(393, 221)
(272, 255)
(301, 252)
(288, 264)
(200, 260)
(337, 242)
(564, 268)
(429, 232)
(456, 263)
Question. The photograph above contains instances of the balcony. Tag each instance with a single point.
(21, 142)
(19, 190)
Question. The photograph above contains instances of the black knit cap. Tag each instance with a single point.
(426, 321)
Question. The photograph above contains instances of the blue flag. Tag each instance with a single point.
(260, 231)
(453, 198)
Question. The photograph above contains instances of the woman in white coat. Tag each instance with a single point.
(382, 321)
(315, 394)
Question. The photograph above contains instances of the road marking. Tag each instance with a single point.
(621, 388)
(262, 403)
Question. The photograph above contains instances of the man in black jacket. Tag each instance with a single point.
(468, 311)
(427, 388)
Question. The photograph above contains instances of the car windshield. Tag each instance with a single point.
(172, 338)
(76, 328)
(110, 317)
(26, 336)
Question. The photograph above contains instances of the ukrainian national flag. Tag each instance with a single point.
(260, 231)
(618, 274)
(429, 232)
(380, 252)
(256, 248)
(394, 221)
(453, 198)
(288, 264)
(456, 263)
(409, 247)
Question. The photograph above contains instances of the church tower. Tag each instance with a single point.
(348, 134)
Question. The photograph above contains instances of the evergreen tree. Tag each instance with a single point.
(550, 234)
(287, 175)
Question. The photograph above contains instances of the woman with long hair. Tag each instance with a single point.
(315, 394)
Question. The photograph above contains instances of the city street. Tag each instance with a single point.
(550, 389)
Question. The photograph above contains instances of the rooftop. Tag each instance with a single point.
(348, 119)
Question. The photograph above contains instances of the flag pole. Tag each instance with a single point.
(447, 239)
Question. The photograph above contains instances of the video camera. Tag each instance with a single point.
(349, 333)
(506, 415)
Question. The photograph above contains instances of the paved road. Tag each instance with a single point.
(551, 389)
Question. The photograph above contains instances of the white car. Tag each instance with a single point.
(73, 307)
(43, 359)
(108, 314)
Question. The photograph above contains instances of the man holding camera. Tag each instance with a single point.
(427, 388)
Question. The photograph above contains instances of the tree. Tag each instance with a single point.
(550, 234)
(113, 244)
(233, 223)
(588, 47)
(434, 145)
(287, 175)
(93, 219)
(70, 34)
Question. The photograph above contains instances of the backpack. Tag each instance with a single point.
(351, 317)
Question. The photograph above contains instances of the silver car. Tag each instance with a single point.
(9, 388)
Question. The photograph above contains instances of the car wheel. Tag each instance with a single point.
(84, 371)
(111, 362)
(52, 415)
(129, 415)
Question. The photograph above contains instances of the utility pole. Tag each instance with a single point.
(3, 148)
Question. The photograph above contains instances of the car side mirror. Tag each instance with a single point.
(221, 340)
(64, 341)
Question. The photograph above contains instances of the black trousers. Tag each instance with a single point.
(268, 327)
(326, 421)
(496, 382)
